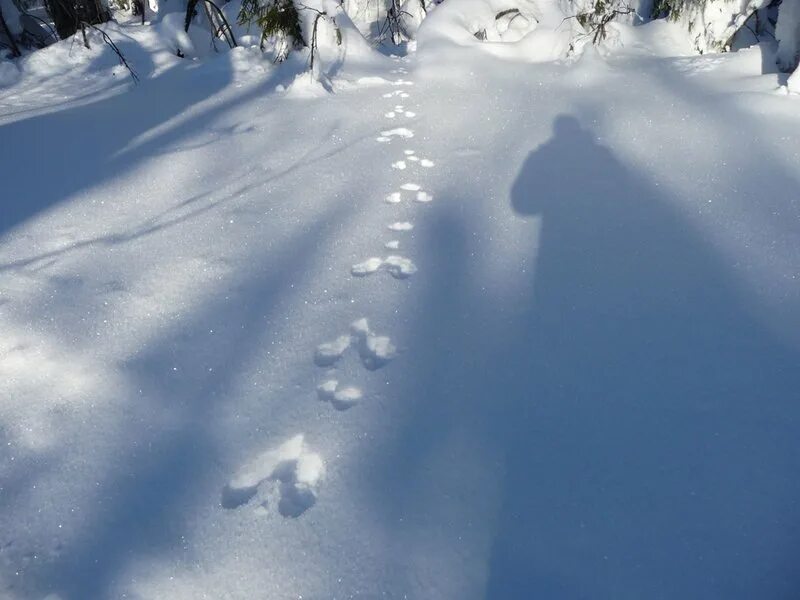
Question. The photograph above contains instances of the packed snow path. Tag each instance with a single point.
(482, 329)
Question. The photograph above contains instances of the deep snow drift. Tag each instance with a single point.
(470, 325)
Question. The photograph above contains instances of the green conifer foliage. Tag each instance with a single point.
(277, 19)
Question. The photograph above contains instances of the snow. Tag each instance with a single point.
(793, 83)
(544, 35)
(8, 73)
(565, 367)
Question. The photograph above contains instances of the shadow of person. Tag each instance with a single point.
(659, 459)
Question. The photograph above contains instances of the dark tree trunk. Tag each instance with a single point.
(7, 33)
(69, 14)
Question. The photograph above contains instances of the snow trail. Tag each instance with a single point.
(595, 358)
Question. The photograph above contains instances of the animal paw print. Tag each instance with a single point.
(291, 472)
(373, 350)
(398, 267)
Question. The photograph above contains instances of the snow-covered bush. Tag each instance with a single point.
(412, 13)
(278, 21)
(787, 31)
(595, 16)
(514, 29)
(508, 25)
(193, 27)
(711, 24)
(322, 28)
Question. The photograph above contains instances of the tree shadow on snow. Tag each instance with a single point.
(170, 450)
(55, 155)
(647, 425)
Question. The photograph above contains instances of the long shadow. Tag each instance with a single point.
(140, 508)
(763, 181)
(48, 158)
(672, 415)
(649, 426)
(172, 216)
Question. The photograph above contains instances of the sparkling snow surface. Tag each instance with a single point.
(245, 354)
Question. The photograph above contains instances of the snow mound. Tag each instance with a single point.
(793, 84)
(521, 31)
(9, 74)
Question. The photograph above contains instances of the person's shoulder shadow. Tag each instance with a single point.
(570, 167)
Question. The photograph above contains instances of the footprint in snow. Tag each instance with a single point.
(403, 132)
(328, 353)
(374, 350)
(423, 162)
(398, 267)
(340, 397)
(292, 471)
(397, 197)
(400, 226)
(367, 267)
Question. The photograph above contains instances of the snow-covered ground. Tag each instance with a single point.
(470, 326)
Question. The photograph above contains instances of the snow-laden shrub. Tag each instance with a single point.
(193, 28)
(320, 29)
(595, 16)
(520, 29)
(787, 31)
(412, 13)
(277, 20)
(193, 43)
(330, 34)
(389, 20)
(711, 24)
(508, 25)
